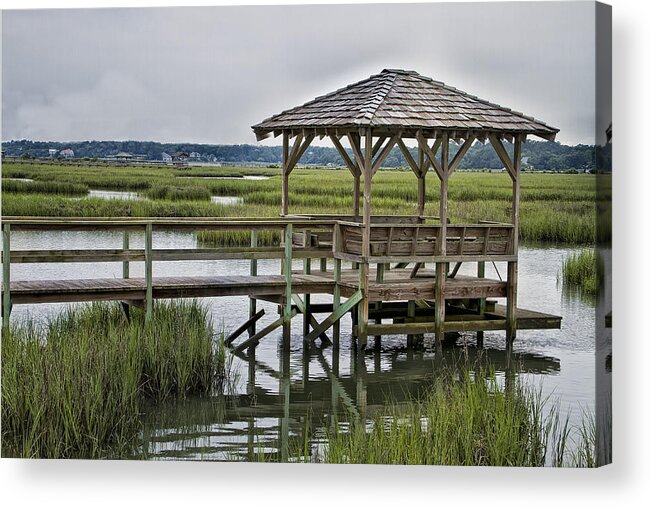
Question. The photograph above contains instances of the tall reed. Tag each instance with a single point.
(581, 271)
(75, 387)
(464, 419)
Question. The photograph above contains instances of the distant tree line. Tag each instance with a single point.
(536, 155)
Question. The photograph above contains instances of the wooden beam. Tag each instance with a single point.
(253, 271)
(300, 304)
(435, 148)
(125, 246)
(362, 323)
(149, 268)
(502, 154)
(442, 267)
(263, 332)
(355, 145)
(288, 286)
(460, 154)
(336, 301)
(385, 153)
(247, 325)
(342, 152)
(378, 144)
(285, 175)
(6, 275)
(298, 153)
(334, 316)
(431, 155)
(410, 160)
(515, 209)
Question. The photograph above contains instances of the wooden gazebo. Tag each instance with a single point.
(375, 115)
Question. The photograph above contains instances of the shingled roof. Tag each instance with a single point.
(404, 100)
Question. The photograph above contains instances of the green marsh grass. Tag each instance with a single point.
(463, 419)
(75, 387)
(176, 193)
(557, 208)
(44, 187)
(582, 271)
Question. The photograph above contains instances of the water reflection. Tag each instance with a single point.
(266, 424)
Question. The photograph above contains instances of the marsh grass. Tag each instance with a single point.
(557, 208)
(75, 387)
(176, 193)
(583, 271)
(44, 187)
(463, 419)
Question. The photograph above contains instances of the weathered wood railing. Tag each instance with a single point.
(420, 242)
(286, 251)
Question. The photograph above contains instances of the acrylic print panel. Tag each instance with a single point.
(351, 249)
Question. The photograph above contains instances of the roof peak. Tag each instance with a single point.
(404, 100)
(400, 71)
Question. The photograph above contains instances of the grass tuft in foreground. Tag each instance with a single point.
(74, 388)
(464, 419)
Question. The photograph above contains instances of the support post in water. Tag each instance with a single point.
(149, 296)
(253, 272)
(125, 247)
(362, 321)
(287, 308)
(307, 269)
(336, 301)
(442, 267)
(481, 272)
(512, 273)
(6, 275)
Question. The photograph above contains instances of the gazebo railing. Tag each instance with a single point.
(395, 242)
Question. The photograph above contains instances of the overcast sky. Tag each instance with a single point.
(207, 74)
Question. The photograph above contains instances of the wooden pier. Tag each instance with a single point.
(405, 269)
(390, 288)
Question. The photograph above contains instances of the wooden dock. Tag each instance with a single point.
(402, 298)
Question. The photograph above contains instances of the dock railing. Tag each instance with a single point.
(285, 251)
(420, 242)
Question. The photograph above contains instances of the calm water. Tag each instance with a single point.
(271, 405)
(135, 196)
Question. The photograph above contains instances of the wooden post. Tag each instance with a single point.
(481, 272)
(253, 271)
(307, 269)
(421, 183)
(356, 185)
(287, 309)
(285, 384)
(285, 182)
(512, 272)
(379, 278)
(149, 298)
(441, 267)
(366, 243)
(411, 314)
(6, 276)
(125, 246)
(336, 301)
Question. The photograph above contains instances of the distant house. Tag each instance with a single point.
(123, 156)
(180, 159)
(195, 155)
(67, 153)
(167, 158)
(53, 152)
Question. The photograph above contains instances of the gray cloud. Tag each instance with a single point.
(207, 74)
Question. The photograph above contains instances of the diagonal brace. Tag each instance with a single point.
(334, 316)
(251, 342)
